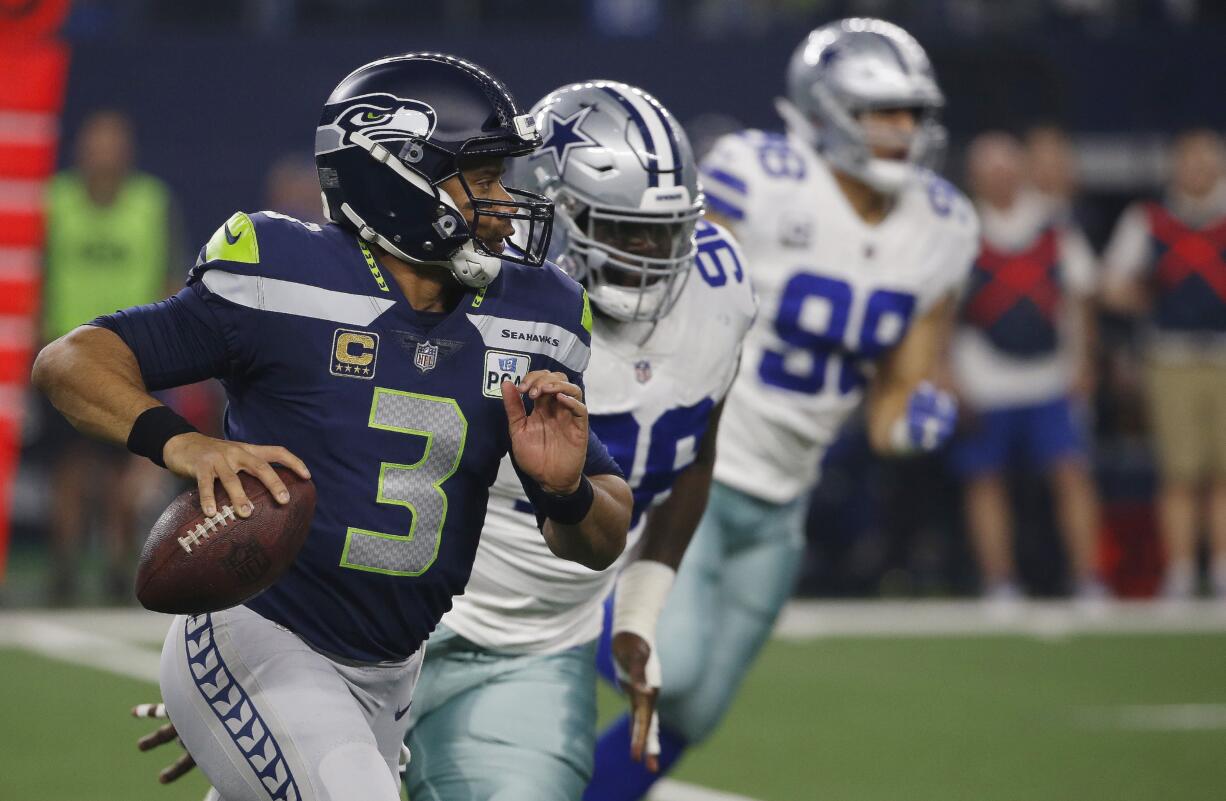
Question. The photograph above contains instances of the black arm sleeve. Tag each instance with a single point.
(598, 463)
(176, 341)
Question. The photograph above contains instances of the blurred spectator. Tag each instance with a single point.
(1167, 262)
(1019, 361)
(292, 187)
(1052, 166)
(111, 238)
(1055, 173)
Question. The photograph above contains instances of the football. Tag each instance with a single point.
(193, 564)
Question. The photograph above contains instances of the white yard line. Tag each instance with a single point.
(68, 641)
(131, 625)
(670, 790)
(1156, 717)
(808, 620)
(811, 620)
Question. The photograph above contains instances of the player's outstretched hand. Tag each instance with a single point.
(632, 657)
(161, 736)
(205, 459)
(550, 445)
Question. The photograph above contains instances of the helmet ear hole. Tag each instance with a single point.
(414, 153)
(446, 226)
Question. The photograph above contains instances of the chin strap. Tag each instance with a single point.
(473, 268)
(469, 266)
(887, 177)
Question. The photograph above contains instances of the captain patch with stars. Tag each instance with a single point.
(354, 353)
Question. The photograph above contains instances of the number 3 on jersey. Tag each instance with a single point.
(814, 318)
(417, 487)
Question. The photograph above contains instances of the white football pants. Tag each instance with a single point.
(269, 719)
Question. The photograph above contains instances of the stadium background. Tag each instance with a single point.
(853, 700)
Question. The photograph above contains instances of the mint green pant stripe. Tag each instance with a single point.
(501, 727)
(739, 571)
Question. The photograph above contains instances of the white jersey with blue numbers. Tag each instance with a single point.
(835, 294)
(649, 394)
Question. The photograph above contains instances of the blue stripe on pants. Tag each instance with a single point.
(233, 707)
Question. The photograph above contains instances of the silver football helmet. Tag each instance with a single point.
(855, 65)
(624, 184)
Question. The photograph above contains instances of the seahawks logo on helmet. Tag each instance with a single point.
(381, 117)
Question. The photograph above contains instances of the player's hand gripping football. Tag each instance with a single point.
(550, 445)
(205, 459)
(638, 670)
(160, 736)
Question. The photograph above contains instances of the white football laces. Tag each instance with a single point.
(206, 527)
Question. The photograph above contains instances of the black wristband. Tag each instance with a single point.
(567, 509)
(153, 429)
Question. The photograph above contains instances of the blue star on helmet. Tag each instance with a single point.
(565, 135)
(831, 54)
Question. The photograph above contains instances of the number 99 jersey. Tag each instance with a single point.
(835, 294)
(650, 394)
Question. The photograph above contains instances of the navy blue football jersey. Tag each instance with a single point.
(398, 414)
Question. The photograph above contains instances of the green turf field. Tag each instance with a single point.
(1008, 718)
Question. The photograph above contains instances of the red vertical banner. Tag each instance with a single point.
(33, 73)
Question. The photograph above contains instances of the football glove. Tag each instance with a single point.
(927, 423)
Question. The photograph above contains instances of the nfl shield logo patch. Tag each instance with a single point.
(642, 371)
(425, 357)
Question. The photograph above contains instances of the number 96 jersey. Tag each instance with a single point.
(650, 393)
(835, 294)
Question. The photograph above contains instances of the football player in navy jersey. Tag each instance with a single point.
(388, 354)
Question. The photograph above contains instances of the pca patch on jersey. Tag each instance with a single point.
(501, 365)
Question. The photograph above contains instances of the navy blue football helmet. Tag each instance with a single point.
(396, 128)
